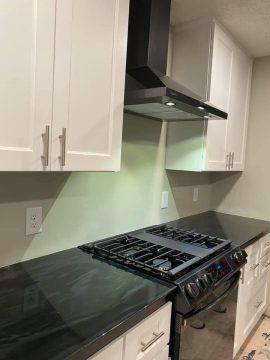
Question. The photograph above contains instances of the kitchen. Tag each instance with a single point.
(45, 308)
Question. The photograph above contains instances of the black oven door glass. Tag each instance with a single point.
(209, 333)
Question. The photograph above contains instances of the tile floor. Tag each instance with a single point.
(258, 345)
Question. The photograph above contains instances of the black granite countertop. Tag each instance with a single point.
(68, 305)
(241, 230)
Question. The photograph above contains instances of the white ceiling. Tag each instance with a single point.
(247, 20)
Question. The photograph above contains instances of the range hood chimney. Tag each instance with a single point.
(157, 96)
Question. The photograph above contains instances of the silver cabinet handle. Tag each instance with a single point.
(63, 138)
(253, 267)
(258, 304)
(46, 141)
(227, 161)
(267, 244)
(157, 336)
(232, 160)
(266, 264)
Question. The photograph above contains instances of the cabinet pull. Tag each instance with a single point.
(157, 336)
(258, 304)
(46, 140)
(266, 264)
(227, 161)
(62, 138)
(267, 244)
(232, 160)
(254, 266)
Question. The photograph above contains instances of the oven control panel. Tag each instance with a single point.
(205, 278)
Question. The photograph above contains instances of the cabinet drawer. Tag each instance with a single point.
(265, 245)
(113, 351)
(264, 265)
(254, 306)
(252, 268)
(164, 355)
(147, 340)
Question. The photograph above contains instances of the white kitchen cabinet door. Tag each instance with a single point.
(114, 351)
(163, 355)
(147, 340)
(26, 85)
(223, 78)
(265, 245)
(238, 108)
(219, 96)
(90, 58)
(252, 268)
(253, 292)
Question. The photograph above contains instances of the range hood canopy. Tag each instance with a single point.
(157, 96)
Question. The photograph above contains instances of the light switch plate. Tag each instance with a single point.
(164, 199)
(33, 220)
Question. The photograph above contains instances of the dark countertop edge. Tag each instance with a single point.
(254, 239)
(91, 348)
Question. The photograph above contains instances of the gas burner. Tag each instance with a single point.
(145, 255)
(189, 237)
(162, 264)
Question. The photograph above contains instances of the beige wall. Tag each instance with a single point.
(248, 194)
(82, 207)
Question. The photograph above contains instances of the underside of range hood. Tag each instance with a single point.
(157, 96)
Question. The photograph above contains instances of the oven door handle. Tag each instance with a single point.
(197, 311)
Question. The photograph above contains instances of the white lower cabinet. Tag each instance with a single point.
(148, 340)
(163, 355)
(253, 291)
(113, 351)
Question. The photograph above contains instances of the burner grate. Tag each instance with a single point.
(188, 237)
(145, 255)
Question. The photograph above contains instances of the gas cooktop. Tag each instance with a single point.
(161, 250)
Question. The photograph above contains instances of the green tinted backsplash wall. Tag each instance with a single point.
(83, 207)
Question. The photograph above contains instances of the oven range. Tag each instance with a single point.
(206, 270)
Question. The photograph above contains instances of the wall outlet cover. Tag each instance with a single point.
(33, 221)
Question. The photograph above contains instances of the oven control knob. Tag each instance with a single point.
(209, 279)
(239, 256)
(192, 290)
(202, 285)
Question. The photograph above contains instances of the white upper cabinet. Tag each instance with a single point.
(90, 59)
(220, 73)
(26, 85)
(62, 69)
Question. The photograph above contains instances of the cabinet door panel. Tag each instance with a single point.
(221, 73)
(113, 351)
(215, 147)
(238, 108)
(89, 83)
(26, 86)
(252, 268)
(147, 340)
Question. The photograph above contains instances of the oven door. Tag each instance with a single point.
(208, 331)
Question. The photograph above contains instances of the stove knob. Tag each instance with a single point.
(239, 256)
(192, 290)
(209, 279)
(202, 285)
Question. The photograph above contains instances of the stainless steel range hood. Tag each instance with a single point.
(157, 96)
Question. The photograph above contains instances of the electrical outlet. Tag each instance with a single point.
(164, 199)
(33, 220)
(195, 194)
